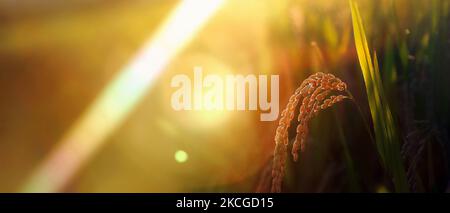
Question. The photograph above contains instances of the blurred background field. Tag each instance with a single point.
(57, 56)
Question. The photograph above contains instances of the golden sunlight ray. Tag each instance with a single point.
(119, 98)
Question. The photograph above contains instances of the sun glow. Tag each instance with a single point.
(120, 97)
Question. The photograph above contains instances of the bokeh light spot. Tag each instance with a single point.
(181, 156)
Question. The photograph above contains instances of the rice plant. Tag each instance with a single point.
(387, 141)
(315, 94)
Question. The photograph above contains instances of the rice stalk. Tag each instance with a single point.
(387, 141)
(354, 182)
(318, 92)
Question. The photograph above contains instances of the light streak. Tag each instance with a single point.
(119, 97)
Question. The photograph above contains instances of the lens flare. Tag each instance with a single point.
(119, 98)
(181, 156)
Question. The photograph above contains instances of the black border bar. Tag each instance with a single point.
(242, 201)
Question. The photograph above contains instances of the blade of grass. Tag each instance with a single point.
(350, 167)
(385, 131)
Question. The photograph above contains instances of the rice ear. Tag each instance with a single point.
(314, 96)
